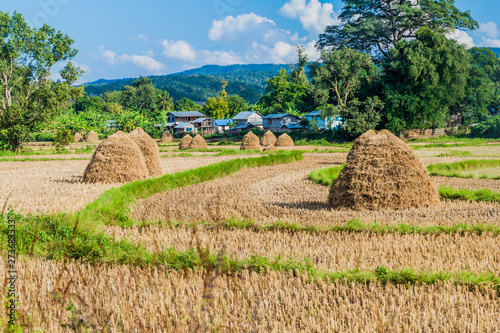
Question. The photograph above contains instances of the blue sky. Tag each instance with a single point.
(129, 38)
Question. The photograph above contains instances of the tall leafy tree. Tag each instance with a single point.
(29, 97)
(374, 26)
(186, 104)
(422, 79)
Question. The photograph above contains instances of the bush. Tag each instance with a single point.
(62, 138)
(489, 128)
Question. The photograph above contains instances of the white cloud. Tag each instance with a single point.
(181, 50)
(140, 37)
(231, 28)
(107, 55)
(313, 15)
(461, 37)
(490, 29)
(220, 58)
(145, 62)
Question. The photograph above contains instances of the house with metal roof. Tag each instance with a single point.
(248, 117)
(205, 125)
(314, 117)
(177, 117)
(222, 124)
(276, 121)
(186, 127)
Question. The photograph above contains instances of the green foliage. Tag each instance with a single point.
(86, 104)
(326, 176)
(31, 98)
(374, 27)
(490, 128)
(186, 104)
(62, 139)
(422, 79)
(216, 108)
(457, 169)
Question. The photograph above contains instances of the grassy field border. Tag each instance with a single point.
(454, 169)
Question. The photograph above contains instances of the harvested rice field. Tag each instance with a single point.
(247, 244)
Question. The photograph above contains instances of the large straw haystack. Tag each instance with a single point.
(118, 159)
(92, 137)
(250, 142)
(382, 172)
(185, 142)
(268, 139)
(284, 140)
(198, 143)
(167, 137)
(78, 137)
(149, 150)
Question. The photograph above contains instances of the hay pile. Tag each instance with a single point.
(268, 139)
(198, 143)
(382, 172)
(92, 137)
(167, 137)
(284, 141)
(185, 142)
(118, 159)
(78, 137)
(149, 150)
(250, 142)
(270, 148)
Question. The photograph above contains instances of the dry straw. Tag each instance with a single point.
(284, 141)
(149, 150)
(250, 142)
(116, 160)
(92, 137)
(198, 143)
(382, 172)
(270, 148)
(167, 137)
(268, 139)
(185, 142)
(78, 138)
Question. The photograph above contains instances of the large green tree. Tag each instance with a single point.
(186, 104)
(29, 97)
(422, 79)
(374, 26)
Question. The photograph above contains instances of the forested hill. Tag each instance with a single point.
(198, 84)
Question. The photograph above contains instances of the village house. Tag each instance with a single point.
(330, 122)
(251, 117)
(205, 125)
(276, 122)
(222, 125)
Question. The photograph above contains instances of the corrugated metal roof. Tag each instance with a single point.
(293, 126)
(314, 113)
(199, 120)
(184, 125)
(278, 115)
(222, 122)
(244, 115)
(186, 114)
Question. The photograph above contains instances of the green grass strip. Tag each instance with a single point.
(456, 169)
(113, 206)
(484, 194)
(327, 175)
(43, 159)
(459, 153)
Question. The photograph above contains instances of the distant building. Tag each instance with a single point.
(276, 121)
(248, 117)
(175, 118)
(222, 124)
(206, 125)
(186, 127)
(330, 122)
(291, 127)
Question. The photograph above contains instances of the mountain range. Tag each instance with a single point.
(198, 84)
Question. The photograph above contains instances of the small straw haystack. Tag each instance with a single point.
(250, 142)
(198, 143)
(185, 142)
(78, 137)
(382, 172)
(284, 140)
(167, 137)
(150, 151)
(118, 159)
(270, 148)
(268, 139)
(92, 137)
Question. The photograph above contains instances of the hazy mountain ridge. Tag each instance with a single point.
(198, 84)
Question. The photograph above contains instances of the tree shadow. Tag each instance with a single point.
(72, 180)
